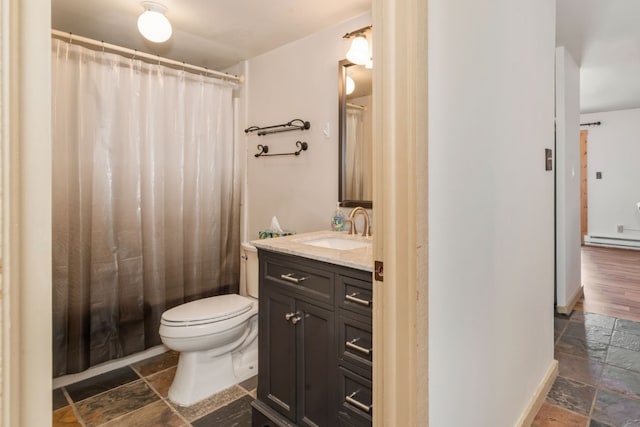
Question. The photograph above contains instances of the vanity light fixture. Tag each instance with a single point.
(351, 85)
(369, 64)
(153, 24)
(359, 52)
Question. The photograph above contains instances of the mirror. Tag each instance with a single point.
(355, 135)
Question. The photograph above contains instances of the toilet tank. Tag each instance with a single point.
(249, 270)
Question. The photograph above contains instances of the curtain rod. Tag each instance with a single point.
(356, 106)
(137, 54)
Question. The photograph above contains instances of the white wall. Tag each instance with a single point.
(491, 110)
(567, 164)
(296, 81)
(614, 150)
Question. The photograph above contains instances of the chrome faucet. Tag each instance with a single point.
(352, 221)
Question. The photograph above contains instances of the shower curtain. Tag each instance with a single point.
(145, 200)
(358, 155)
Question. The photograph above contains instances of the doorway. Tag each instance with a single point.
(584, 211)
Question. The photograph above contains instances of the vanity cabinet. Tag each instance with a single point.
(314, 343)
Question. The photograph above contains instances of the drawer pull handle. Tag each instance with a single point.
(289, 277)
(350, 399)
(352, 345)
(354, 298)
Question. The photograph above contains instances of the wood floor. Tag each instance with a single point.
(611, 280)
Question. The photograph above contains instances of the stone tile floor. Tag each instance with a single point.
(136, 395)
(598, 384)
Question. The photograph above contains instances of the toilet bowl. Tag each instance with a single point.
(217, 338)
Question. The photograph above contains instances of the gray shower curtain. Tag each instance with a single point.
(145, 200)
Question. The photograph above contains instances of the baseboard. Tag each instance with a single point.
(567, 309)
(612, 242)
(526, 419)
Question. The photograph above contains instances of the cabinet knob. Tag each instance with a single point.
(292, 317)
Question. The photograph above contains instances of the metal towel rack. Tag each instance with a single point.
(295, 124)
(264, 149)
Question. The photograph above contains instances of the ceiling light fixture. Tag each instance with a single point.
(359, 53)
(153, 24)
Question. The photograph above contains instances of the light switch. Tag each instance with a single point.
(548, 159)
(598, 175)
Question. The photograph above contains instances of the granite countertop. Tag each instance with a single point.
(359, 258)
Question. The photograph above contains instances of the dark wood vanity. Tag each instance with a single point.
(315, 343)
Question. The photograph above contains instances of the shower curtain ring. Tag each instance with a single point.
(70, 37)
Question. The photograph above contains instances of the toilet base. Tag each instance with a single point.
(200, 375)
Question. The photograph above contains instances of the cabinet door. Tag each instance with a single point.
(277, 361)
(317, 367)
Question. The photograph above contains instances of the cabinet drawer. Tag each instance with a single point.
(355, 294)
(355, 398)
(355, 341)
(300, 278)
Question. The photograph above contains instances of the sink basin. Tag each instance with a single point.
(337, 243)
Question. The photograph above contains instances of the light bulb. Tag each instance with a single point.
(359, 51)
(351, 85)
(153, 24)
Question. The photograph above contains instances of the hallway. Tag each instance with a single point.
(598, 347)
(611, 280)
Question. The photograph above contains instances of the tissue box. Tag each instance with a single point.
(268, 234)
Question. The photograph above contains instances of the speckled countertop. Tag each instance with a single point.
(360, 258)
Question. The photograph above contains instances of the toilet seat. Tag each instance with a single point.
(207, 316)
(207, 310)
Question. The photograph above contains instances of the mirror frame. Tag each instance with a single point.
(342, 140)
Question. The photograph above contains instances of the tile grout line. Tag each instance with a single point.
(598, 386)
(595, 386)
(162, 398)
(112, 389)
(73, 407)
(107, 391)
(215, 408)
(165, 401)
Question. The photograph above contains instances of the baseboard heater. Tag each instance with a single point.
(618, 242)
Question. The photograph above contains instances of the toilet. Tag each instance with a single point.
(217, 338)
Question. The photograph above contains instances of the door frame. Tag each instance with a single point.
(26, 212)
(400, 194)
(400, 311)
(584, 185)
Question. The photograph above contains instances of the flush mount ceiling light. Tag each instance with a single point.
(359, 52)
(153, 24)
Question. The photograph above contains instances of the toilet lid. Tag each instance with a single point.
(207, 310)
